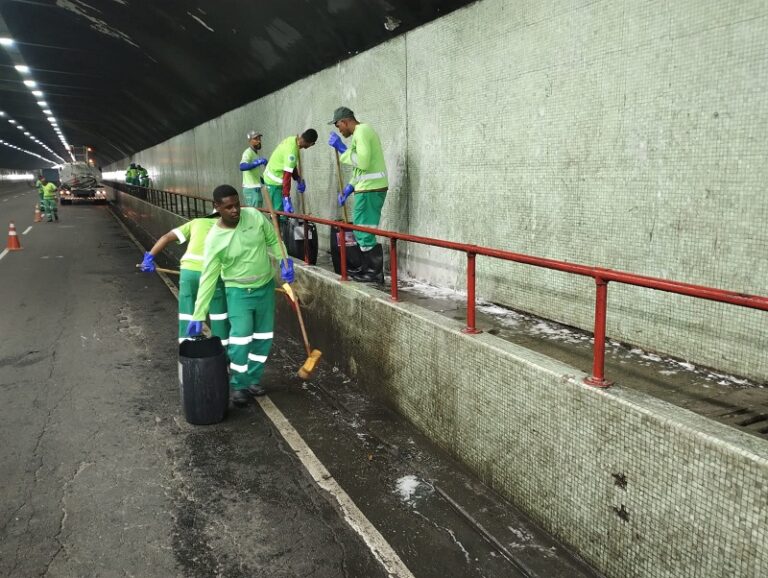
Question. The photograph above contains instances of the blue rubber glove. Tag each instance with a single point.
(194, 328)
(344, 195)
(301, 186)
(253, 164)
(148, 264)
(287, 205)
(335, 142)
(286, 270)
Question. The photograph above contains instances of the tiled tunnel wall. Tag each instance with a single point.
(622, 134)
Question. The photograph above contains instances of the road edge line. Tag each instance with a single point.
(381, 549)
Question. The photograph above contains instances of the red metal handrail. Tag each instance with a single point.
(601, 276)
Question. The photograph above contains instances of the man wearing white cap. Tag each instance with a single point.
(250, 164)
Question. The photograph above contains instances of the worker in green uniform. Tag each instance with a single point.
(142, 176)
(249, 166)
(49, 200)
(193, 233)
(39, 185)
(283, 166)
(237, 249)
(131, 175)
(369, 184)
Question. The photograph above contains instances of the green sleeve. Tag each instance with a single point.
(208, 280)
(359, 153)
(186, 232)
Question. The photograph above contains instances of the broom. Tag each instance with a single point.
(313, 355)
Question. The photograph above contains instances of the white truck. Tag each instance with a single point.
(81, 182)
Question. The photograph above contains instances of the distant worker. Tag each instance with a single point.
(237, 249)
(369, 184)
(49, 200)
(283, 165)
(131, 175)
(193, 233)
(249, 166)
(39, 185)
(142, 178)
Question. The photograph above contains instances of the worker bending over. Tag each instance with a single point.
(249, 166)
(369, 184)
(193, 233)
(238, 249)
(283, 165)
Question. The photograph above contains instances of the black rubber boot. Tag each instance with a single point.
(256, 390)
(373, 266)
(241, 397)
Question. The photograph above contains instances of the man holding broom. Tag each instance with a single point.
(193, 233)
(237, 249)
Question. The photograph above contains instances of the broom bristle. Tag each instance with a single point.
(306, 370)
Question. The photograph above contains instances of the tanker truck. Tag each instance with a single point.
(81, 182)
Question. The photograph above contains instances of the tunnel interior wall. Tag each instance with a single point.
(627, 135)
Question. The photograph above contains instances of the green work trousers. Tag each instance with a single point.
(276, 194)
(42, 201)
(252, 197)
(189, 282)
(367, 212)
(51, 209)
(252, 317)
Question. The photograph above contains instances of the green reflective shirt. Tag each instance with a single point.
(367, 157)
(284, 158)
(39, 185)
(194, 233)
(252, 177)
(240, 256)
(49, 191)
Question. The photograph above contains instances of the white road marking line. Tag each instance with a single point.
(45, 257)
(4, 253)
(27, 230)
(380, 548)
(384, 553)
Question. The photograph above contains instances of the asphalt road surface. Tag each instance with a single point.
(101, 476)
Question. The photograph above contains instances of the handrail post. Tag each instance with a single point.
(597, 379)
(393, 267)
(306, 242)
(470, 328)
(342, 240)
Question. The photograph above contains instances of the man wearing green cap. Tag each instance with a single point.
(283, 166)
(369, 184)
(249, 166)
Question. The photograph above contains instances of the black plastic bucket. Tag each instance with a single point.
(203, 380)
(354, 256)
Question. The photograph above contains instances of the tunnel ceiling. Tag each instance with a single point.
(123, 75)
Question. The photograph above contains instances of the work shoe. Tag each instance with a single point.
(240, 397)
(373, 267)
(56, 217)
(257, 390)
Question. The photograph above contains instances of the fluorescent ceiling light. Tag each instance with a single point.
(5, 41)
(42, 103)
(47, 111)
(23, 68)
(30, 83)
(37, 93)
(11, 121)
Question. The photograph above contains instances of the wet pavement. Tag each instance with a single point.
(102, 476)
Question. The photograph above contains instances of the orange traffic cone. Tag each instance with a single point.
(13, 239)
(38, 216)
